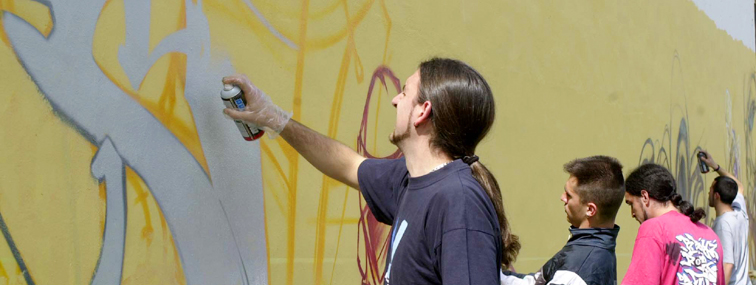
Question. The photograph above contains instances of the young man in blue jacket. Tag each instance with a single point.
(592, 196)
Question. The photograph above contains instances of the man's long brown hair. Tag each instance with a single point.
(462, 114)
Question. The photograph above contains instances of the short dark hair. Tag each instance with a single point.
(727, 189)
(661, 186)
(599, 180)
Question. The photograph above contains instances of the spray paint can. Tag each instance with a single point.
(233, 97)
(702, 164)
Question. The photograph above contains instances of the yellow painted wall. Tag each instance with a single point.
(570, 79)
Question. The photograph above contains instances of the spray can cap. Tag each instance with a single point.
(227, 87)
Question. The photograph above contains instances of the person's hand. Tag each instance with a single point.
(260, 110)
(709, 160)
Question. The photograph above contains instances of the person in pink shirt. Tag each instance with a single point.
(672, 246)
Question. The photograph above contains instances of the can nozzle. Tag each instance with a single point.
(227, 87)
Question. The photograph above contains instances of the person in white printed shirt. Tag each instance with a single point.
(731, 224)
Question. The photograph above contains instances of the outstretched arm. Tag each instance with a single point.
(327, 155)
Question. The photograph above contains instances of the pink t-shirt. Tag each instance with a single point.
(672, 250)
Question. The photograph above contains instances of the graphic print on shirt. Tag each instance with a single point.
(673, 251)
(396, 237)
(698, 264)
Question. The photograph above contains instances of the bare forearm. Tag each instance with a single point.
(327, 155)
(723, 172)
(728, 272)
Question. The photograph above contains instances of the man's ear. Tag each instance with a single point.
(592, 209)
(425, 113)
(645, 198)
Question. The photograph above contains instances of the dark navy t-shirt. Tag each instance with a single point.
(444, 226)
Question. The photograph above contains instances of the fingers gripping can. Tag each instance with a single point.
(233, 97)
(702, 164)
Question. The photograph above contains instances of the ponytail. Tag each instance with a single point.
(687, 209)
(660, 185)
(462, 114)
(510, 242)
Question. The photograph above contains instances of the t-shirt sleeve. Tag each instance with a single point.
(380, 181)
(468, 257)
(739, 203)
(722, 229)
(646, 263)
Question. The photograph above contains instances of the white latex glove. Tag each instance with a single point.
(260, 110)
